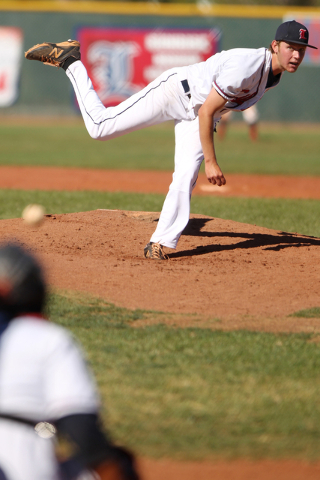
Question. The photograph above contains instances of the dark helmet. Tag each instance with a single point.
(22, 284)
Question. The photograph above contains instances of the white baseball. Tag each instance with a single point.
(33, 214)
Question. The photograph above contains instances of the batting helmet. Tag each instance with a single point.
(22, 284)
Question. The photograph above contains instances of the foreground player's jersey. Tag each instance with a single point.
(43, 376)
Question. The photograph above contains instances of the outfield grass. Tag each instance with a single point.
(308, 313)
(196, 393)
(300, 216)
(281, 149)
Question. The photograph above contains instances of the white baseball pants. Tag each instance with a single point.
(162, 100)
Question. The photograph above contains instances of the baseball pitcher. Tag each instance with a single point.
(195, 97)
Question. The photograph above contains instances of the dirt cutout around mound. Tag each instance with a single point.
(233, 470)
(224, 274)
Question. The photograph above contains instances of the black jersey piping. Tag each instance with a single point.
(111, 118)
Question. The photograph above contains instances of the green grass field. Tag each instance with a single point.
(281, 149)
(187, 393)
(195, 393)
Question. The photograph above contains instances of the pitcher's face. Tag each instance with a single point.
(288, 56)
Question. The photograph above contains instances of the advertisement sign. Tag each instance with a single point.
(312, 56)
(11, 47)
(120, 62)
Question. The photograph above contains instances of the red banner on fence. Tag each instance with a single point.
(120, 62)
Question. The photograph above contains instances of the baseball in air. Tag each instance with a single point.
(33, 215)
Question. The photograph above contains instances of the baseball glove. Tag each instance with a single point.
(119, 464)
(120, 467)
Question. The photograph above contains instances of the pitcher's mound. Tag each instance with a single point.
(233, 275)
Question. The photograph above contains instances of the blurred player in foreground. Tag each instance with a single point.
(251, 118)
(48, 398)
(195, 97)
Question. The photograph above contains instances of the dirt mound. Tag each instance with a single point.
(229, 275)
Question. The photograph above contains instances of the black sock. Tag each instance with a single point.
(69, 62)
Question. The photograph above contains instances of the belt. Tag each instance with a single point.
(15, 418)
(186, 88)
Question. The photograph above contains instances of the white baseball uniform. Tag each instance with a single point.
(250, 116)
(238, 75)
(43, 376)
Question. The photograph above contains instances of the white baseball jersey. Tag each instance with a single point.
(239, 75)
(43, 376)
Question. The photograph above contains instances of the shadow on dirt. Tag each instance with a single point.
(275, 242)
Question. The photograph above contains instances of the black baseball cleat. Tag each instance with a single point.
(54, 54)
(154, 251)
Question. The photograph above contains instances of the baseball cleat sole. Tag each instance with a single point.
(54, 54)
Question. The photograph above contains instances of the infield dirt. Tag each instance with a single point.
(72, 179)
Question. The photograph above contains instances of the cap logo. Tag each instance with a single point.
(302, 34)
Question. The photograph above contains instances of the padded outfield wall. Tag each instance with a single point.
(45, 90)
